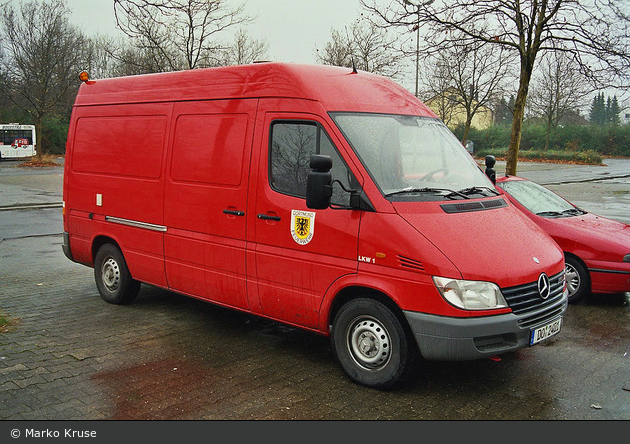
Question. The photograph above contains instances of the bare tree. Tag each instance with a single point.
(244, 49)
(469, 78)
(439, 92)
(594, 33)
(41, 57)
(99, 61)
(177, 34)
(557, 90)
(119, 57)
(364, 46)
(338, 51)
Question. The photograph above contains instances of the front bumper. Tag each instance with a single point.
(461, 339)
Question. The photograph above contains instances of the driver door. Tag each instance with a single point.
(300, 252)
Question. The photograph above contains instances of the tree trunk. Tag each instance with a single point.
(38, 137)
(548, 135)
(517, 123)
(466, 130)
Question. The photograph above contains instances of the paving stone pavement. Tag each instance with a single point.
(71, 356)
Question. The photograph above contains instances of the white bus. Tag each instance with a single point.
(17, 141)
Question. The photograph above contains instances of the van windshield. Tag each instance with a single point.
(413, 158)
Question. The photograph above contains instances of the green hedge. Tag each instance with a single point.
(603, 140)
(589, 157)
(55, 134)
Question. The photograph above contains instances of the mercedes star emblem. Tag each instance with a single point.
(543, 286)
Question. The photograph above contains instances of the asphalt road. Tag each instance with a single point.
(68, 355)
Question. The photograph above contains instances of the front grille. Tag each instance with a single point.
(524, 299)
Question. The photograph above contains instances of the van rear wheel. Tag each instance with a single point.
(113, 280)
(370, 343)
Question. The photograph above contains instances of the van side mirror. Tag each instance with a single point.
(319, 182)
(490, 172)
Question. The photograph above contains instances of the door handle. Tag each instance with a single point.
(234, 212)
(268, 217)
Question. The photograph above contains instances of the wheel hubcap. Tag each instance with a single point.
(369, 343)
(573, 279)
(111, 274)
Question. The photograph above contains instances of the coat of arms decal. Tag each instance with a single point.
(302, 226)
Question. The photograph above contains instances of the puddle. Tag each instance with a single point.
(162, 390)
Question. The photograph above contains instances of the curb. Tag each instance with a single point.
(35, 206)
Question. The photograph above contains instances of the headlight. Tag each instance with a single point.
(470, 295)
(626, 258)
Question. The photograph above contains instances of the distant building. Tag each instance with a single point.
(447, 106)
(569, 118)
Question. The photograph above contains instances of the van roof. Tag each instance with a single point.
(336, 88)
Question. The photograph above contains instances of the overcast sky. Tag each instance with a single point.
(292, 28)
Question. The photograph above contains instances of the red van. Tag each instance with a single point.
(325, 198)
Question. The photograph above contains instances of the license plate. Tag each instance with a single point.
(544, 332)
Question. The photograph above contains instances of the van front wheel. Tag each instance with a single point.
(370, 343)
(113, 280)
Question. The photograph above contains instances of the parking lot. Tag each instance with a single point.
(67, 355)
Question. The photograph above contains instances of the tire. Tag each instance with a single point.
(578, 279)
(113, 280)
(370, 343)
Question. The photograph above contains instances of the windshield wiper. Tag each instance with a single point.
(563, 213)
(573, 211)
(478, 190)
(549, 213)
(450, 193)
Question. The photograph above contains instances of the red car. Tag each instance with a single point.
(596, 249)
